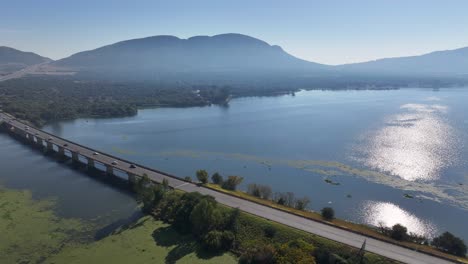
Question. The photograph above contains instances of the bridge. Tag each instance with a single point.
(90, 157)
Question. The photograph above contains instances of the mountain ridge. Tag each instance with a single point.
(12, 60)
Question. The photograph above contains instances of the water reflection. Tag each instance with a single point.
(414, 145)
(389, 214)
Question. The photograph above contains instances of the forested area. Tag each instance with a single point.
(45, 99)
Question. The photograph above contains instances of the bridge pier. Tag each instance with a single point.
(50, 146)
(29, 137)
(39, 142)
(90, 163)
(75, 157)
(109, 170)
(61, 151)
(131, 178)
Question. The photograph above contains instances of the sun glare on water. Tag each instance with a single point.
(414, 145)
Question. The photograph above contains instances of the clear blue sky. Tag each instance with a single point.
(331, 32)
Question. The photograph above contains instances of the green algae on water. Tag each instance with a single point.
(30, 230)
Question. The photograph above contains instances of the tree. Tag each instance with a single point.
(213, 241)
(260, 191)
(216, 178)
(232, 182)
(399, 232)
(202, 176)
(265, 191)
(450, 243)
(328, 213)
(302, 203)
(290, 199)
(205, 216)
(165, 184)
(254, 190)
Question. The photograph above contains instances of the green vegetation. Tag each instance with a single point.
(450, 243)
(45, 99)
(328, 213)
(218, 229)
(399, 232)
(217, 178)
(32, 233)
(288, 203)
(202, 176)
(145, 241)
(232, 182)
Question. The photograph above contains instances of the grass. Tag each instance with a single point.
(31, 232)
(252, 233)
(353, 227)
(145, 241)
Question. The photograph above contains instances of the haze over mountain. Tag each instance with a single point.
(448, 62)
(237, 54)
(226, 53)
(13, 60)
(234, 59)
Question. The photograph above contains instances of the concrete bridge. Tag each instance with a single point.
(91, 157)
(81, 154)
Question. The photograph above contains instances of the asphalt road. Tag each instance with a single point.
(372, 245)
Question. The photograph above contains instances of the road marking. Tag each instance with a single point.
(183, 184)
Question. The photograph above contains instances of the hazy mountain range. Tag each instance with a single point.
(229, 55)
(12, 60)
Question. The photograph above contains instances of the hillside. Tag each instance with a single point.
(448, 62)
(12, 60)
(159, 55)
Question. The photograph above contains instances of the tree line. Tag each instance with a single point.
(45, 99)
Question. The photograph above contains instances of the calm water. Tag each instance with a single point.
(376, 146)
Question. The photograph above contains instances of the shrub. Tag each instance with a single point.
(188, 179)
(296, 251)
(450, 243)
(269, 231)
(328, 213)
(232, 182)
(302, 203)
(263, 254)
(399, 232)
(202, 176)
(216, 178)
(260, 191)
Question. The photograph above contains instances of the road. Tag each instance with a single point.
(349, 238)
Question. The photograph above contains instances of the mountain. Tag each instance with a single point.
(13, 60)
(159, 55)
(438, 63)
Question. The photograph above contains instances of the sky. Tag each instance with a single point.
(330, 32)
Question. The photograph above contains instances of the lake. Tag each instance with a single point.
(395, 156)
